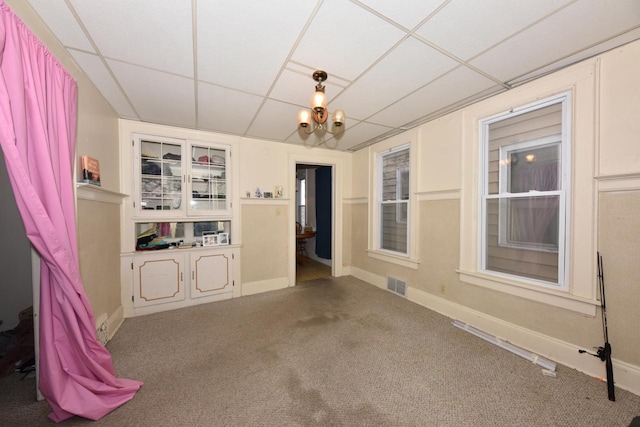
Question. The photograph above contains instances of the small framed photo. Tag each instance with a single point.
(279, 193)
(210, 239)
(223, 238)
(268, 195)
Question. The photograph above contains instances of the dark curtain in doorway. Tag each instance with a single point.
(323, 211)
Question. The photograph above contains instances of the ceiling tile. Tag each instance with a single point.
(467, 27)
(459, 84)
(408, 67)
(244, 45)
(276, 120)
(407, 13)
(149, 91)
(297, 88)
(61, 21)
(602, 47)
(345, 39)
(156, 34)
(579, 25)
(225, 110)
(99, 74)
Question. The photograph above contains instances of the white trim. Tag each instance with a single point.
(393, 258)
(94, 193)
(260, 286)
(425, 196)
(626, 182)
(627, 376)
(546, 295)
(355, 200)
(262, 201)
(115, 321)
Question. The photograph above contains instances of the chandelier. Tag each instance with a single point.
(319, 111)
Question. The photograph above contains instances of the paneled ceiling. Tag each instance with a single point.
(244, 67)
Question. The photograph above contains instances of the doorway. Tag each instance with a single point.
(314, 221)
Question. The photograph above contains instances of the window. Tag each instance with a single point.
(524, 192)
(393, 200)
(302, 202)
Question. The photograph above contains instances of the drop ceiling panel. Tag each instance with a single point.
(99, 74)
(244, 45)
(459, 84)
(225, 110)
(149, 91)
(297, 88)
(407, 68)
(156, 34)
(609, 44)
(407, 13)
(59, 19)
(275, 120)
(467, 28)
(564, 34)
(345, 39)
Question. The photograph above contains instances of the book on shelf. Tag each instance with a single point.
(90, 170)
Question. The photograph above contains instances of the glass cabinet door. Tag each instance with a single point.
(208, 178)
(160, 176)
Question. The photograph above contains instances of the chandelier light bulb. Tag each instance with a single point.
(319, 102)
(304, 118)
(338, 118)
(314, 119)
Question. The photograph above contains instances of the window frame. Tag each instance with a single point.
(564, 192)
(380, 201)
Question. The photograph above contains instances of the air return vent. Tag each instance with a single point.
(397, 286)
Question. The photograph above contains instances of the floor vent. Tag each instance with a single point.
(102, 330)
(397, 286)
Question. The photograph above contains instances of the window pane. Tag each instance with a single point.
(391, 164)
(534, 168)
(513, 132)
(393, 234)
(531, 224)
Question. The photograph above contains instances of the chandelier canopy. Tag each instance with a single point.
(319, 111)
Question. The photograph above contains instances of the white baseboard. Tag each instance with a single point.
(115, 321)
(257, 287)
(626, 375)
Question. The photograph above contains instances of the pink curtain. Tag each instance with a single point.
(38, 113)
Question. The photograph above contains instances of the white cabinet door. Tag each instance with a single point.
(211, 273)
(158, 279)
(208, 179)
(159, 176)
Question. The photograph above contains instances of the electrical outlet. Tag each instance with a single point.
(442, 289)
(278, 211)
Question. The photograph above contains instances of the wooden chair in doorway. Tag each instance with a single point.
(301, 244)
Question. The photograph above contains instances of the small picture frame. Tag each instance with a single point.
(279, 193)
(210, 239)
(223, 238)
(268, 195)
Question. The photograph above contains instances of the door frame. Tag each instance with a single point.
(337, 169)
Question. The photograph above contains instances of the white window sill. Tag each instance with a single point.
(543, 295)
(395, 259)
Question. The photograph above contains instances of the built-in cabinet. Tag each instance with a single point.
(176, 277)
(177, 178)
(181, 195)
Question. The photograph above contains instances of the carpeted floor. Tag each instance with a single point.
(336, 352)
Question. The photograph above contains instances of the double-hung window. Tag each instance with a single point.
(393, 200)
(524, 192)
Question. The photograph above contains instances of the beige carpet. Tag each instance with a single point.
(329, 352)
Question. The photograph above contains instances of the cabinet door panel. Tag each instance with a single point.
(158, 281)
(211, 274)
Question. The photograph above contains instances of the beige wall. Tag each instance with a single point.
(97, 137)
(606, 155)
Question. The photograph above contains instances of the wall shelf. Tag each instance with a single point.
(94, 193)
